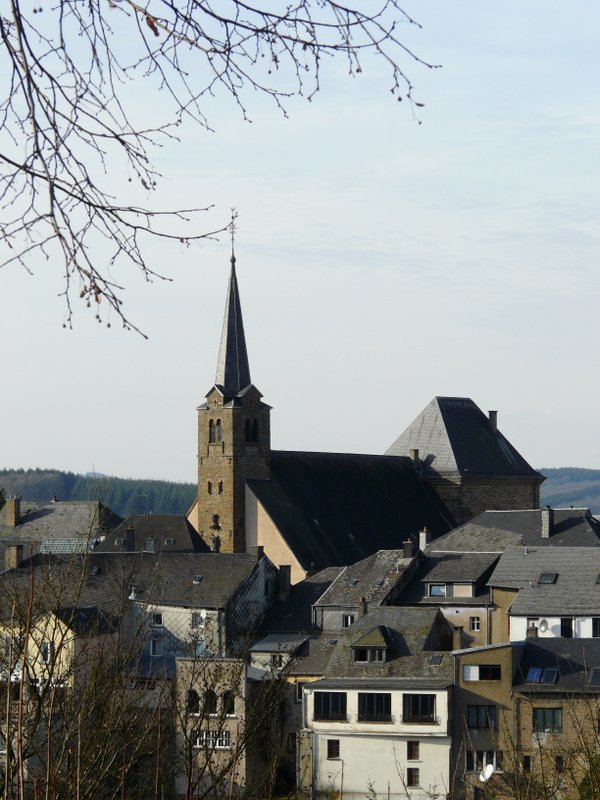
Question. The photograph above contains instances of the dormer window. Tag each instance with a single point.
(437, 590)
(368, 655)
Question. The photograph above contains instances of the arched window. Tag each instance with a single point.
(247, 430)
(220, 487)
(255, 430)
(211, 430)
(210, 702)
(192, 702)
(228, 699)
(209, 487)
(218, 431)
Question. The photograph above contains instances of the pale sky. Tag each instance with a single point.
(380, 263)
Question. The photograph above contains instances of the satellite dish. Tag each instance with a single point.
(486, 773)
(543, 626)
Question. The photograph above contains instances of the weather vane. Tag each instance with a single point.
(232, 230)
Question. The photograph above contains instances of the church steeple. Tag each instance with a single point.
(233, 369)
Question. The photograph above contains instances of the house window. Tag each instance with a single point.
(478, 759)
(157, 620)
(46, 652)
(596, 627)
(255, 430)
(210, 702)
(547, 720)
(526, 763)
(156, 647)
(418, 708)
(218, 431)
(474, 624)
(247, 430)
(228, 699)
(412, 751)
(412, 776)
(215, 740)
(209, 487)
(559, 763)
(333, 748)
(197, 620)
(365, 655)
(298, 691)
(277, 660)
(211, 430)
(347, 620)
(482, 672)
(169, 540)
(482, 717)
(374, 707)
(192, 702)
(216, 523)
(541, 674)
(220, 487)
(566, 627)
(437, 590)
(330, 706)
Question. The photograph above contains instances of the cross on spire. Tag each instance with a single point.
(232, 230)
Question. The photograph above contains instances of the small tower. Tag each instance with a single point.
(234, 438)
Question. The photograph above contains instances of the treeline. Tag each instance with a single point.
(572, 486)
(124, 496)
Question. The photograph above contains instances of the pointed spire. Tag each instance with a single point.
(233, 370)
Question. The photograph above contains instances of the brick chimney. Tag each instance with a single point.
(493, 420)
(362, 607)
(284, 581)
(457, 637)
(407, 546)
(13, 556)
(13, 511)
(130, 539)
(547, 522)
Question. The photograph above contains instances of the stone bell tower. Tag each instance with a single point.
(234, 437)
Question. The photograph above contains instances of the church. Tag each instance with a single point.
(311, 510)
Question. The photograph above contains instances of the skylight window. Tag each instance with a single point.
(534, 674)
(549, 675)
(542, 674)
(435, 660)
(548, 577)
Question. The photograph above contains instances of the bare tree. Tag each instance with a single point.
(67, 126)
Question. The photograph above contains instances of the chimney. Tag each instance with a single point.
(257, 551)
(54, 499)
(285, 580)
(457, 637)
(413, 453)
(13, 511)
(424, 538)
(493, 419)
(532, 632)
(547, 522)
(130, 539)
(362, 607)
(13, 556)
(408, 548)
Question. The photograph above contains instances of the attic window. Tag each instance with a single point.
(541, 674)
(169, 540)
(595, 677)
(369, 655)
(119, 541)
(437, 590)
(197, 579)
(548, 577)
(435, 660)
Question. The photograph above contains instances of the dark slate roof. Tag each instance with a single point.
(451, 568)
(493, 531)
(454, 436)
(294, 613)
(337, 508)
(57, 526)
(233, 369)
(372, 578)
(414, 634)
(278, 643)
(105, 580)
(575, 591)
(172, 534)
(575, 659)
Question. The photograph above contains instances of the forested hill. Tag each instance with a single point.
(564, 487)
(124, 496)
